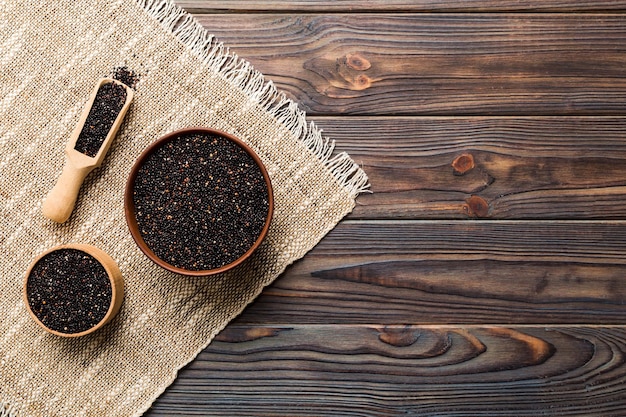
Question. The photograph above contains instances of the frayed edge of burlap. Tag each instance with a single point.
(241, 74)
(6, 410)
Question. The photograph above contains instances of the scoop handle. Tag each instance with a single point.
(62, 198)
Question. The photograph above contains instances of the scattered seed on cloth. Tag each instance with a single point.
(126, 76)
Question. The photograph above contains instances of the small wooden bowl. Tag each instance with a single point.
(129, 204)
(115, 278)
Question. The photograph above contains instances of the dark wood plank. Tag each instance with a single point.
(403, 370)
(516, 167)
(355, 6)
(538, 307)
(437, 64)
(469, 272)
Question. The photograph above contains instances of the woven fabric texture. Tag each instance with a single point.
(51, 55)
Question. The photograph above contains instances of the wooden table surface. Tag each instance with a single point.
(485, 275)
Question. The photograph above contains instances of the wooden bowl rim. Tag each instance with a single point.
(113, 272)
(129, 205)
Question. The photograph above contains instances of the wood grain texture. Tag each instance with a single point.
(356, 6)
(437, 64)
(484, 275)
(435, 272)
(403, 370)
(521, 167)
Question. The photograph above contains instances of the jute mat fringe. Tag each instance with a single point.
(51, 54)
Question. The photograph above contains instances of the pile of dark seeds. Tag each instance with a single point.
(69, 291)
(126, 76)
(200, 202)
(107, 105)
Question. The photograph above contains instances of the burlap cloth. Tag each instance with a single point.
(51, 55)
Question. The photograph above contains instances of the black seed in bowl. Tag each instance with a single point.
(69, 291)
(200, 201)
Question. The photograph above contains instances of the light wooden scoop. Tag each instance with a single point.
(61, 200)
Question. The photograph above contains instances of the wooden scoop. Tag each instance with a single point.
(60, 202)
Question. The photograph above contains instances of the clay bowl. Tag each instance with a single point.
(114, 276)
(139, 175)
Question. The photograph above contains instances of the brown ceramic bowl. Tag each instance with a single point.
(130, 210)
(115, 278)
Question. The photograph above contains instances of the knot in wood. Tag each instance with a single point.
(400, 337)
(463, 164)
(476, 207)
(357, 62)
(361, 82)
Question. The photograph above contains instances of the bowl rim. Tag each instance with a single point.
(113, 273)
(129, 204)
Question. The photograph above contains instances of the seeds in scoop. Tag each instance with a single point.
(107, 105)
(201, 201)
(69, 291)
